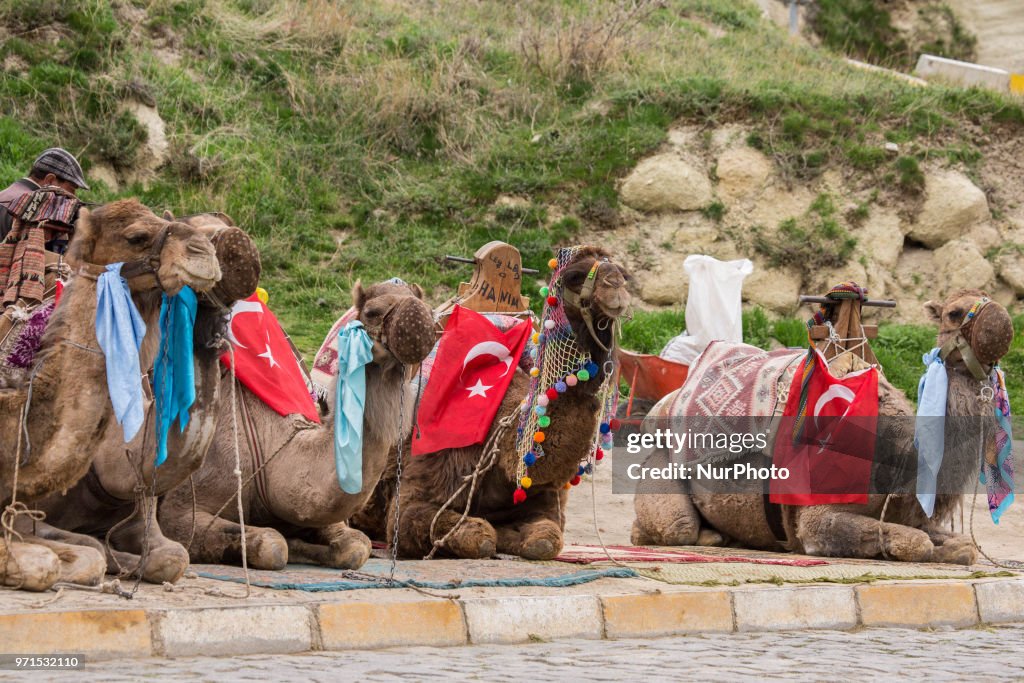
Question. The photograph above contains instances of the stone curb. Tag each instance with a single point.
(290, 628)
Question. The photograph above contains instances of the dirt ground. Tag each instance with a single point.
(615, 517)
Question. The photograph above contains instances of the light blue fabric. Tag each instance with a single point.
(355, 350)
(174, 373)
(119, 331)
(929, 429)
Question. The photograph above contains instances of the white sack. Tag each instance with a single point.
(713, 306)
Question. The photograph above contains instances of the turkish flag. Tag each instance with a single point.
(264, 360)
(826, 438)
(473, 368)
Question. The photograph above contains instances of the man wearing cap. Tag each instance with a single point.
(54, 167)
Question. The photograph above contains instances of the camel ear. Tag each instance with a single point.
(83, 242)
(168, 216)
(224, 217)
(358, 295)
(934, 311)
(417, 290)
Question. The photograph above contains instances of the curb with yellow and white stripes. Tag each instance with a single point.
(425, 621)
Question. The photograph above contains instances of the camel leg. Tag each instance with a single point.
(831, 533)
(341, 548)
(166, 560)
(29, 566)
(219, 540)
(538, 538)
(81, 557)
(474, 539)
(665, 513)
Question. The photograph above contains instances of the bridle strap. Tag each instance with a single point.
(584, 303)
(959, 342)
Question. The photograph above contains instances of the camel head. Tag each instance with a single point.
(594, 295)
(397, 319)
(157, 253)
(237, 254)
(974, 331)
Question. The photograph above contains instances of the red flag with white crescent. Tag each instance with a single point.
(265, 362)
(474, 365)
(826, 438)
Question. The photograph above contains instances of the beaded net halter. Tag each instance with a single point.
(560, 363)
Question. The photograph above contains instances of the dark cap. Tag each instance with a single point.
(62, 164)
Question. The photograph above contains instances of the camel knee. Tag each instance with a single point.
(956, 550)
(474, 539)
(907, 544)
(166, 563)
(31, 567)
(541, 540)
(350, 551)
(266, 548)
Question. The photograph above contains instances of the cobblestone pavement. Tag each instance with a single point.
(871, 654)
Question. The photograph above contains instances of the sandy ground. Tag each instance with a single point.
(999, 26)
(615, 517)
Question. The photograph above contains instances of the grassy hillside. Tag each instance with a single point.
(368, 139)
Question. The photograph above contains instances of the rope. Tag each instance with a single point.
(488, 457)
(238, 469)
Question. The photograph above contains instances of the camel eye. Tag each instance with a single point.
(137, 239)
(956, 314)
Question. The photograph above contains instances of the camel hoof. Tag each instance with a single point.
(31, 567)
(907, 544)
(709, 538)
(166, 564)
(957, 550)
(353, 555)
(540, 549)
(269, 550)
(638, 536)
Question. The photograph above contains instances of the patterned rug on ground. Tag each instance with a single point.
(433, 574)
(730, 566)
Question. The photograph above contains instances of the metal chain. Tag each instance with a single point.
(398, 484)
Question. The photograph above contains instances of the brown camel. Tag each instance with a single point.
(295, 495)
(672, 514)
(118, 494)
(70, 404)
(533, 528)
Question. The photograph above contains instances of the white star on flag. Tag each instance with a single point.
(478, 389)
(268, 354)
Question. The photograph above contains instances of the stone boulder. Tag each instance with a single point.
(960, 265)
(953, 206)
(774, 289)
(666, 182)
(1011, 270)
(742, 173)
(156, 151)
(881, 238)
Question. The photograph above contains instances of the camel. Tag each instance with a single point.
(673, 514)
(532, 528)
(294, 507)
(118, 495)
(70, 406)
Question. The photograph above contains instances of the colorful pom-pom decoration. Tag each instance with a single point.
(518, 496)
(262, 295)
(540, 410)
(552, 301)
(605, 428)
(535, 338)
(560, 387)
(572, 380)
(530, 458)
(583, 375)
(591, 367)
(575, 480)
(526, 482)
(580, 471)
(552, 394)
(538, 437)
(549, 324)
(544, 291)
(615, 424)
(598, 454)
(567, 486)
(534, 372)
(544, 421)
(553, 263)
(543, 400)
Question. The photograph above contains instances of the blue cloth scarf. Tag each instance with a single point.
(174, 372)
(355, 351)
(930, 428)
(119, 331)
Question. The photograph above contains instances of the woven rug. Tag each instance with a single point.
(432, 574)
(589, 554)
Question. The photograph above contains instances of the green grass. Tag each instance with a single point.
(368, 139)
